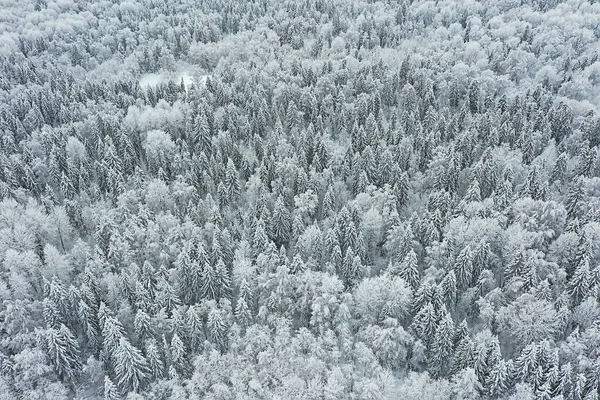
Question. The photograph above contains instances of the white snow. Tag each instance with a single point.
(150, 80)
(153, 79)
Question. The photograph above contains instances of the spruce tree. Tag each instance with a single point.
(131, 368)
(153, 355)
(442, 346)
(409, 270)
(111, 392)
(63, 351)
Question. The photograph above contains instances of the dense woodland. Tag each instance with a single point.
(341, 200)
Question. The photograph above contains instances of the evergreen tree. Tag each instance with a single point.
(329, 202)
(409, 270)
(574, 198)
(499, 379)
(463, 267)
(425, 323)
(474, 97)
(179, 358)
(401, 189)
(110, 390)
(112, 332)
(442, 345)
(155, 361)
(142, 326)
(63, 351)
(243, 314)
(223, 280)
(209, 282)
(560, 169)
(580, 282)
(232, 183)
(474, 192)
(217, 328)
(131, 368)
(449, 287)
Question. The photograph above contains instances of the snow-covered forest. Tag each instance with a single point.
(299, 199)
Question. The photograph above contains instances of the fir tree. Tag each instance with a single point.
(409, 270)
(110, 390)
(560, 169)
(155, 362)
(580, 282)
(217, 328)
(131, 368)
(63, 351)
(463, 267)
(441, 348)
(574, 197)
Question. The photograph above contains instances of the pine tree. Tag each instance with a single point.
(195, 327)
(482, 256)
(200, 135)
(112, 332)
(578, 392)
(297, 226)
(148, 278)
(499, 379)
(425, 323)
(423, 295)
(298, 265)
(142, 325)
(242, 313)
(355, 272)
(336, 257)
(528, 148)
(260, 240)
(155, 362)
(560, 169)
(463, 267)
(463, 354)
(89, 323)
(63, 351)
(217, 328)
(329, 202)
(584, 249)
(57, 294)
(593, 379)
(442, 345)
(474, 192)
(564, 384)
(515, 265)
(179, 358)
(232, 183)
(223, 280)
(52, 315)
(449, 287)
(409, 270)
(131, 368)
(473, 95)
(141, 298)
(574, 197)
(401, 189)
(222, 195)
(587, 159)
(504, 194)
(527, 362)
(110, 390)
(216, 252)
(166, 298)
(209, 282)
(580, 282)
(188, 273)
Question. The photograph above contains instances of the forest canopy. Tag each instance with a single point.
(318, 199)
